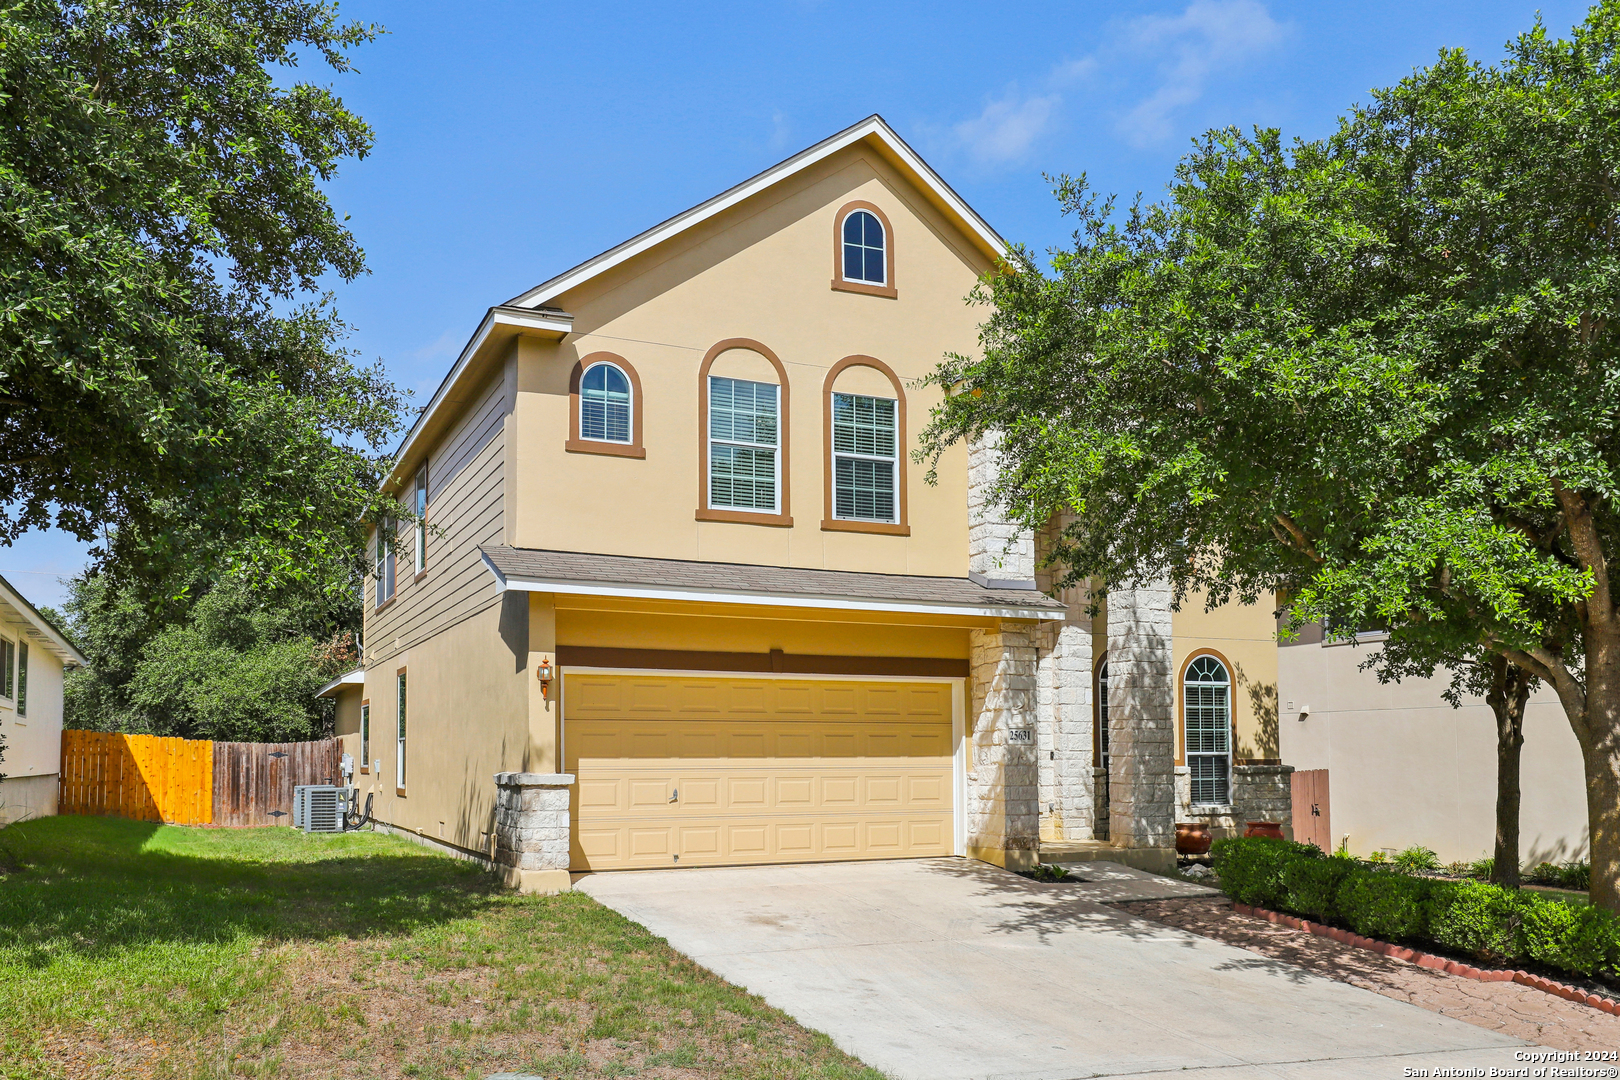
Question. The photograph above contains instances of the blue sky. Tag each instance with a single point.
(515, 140)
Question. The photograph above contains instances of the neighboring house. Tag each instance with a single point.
(676, 562)
(33, 656)
(1399, 766)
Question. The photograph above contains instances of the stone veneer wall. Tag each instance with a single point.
(1259, 793)
(1064, 706)
(1003, 812)
(996, 548)
(1141, 707)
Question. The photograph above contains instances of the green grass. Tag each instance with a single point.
(133, 949)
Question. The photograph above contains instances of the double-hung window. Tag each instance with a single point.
(1207, 704)
(22, 678)
(744, 445)
(399, 736)
(865, 458)
(365, 736)
(421, 519)
(385, 562)
(8, 667)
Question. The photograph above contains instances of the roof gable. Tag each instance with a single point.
(873, 131)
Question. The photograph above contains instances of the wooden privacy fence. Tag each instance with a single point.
(189, 781)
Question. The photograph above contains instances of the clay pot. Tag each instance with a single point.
(1192, 838)
(1269, 829)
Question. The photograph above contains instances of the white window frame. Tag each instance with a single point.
(843, 255)
(22, 677)
(387, 563)
(421, 518)
(365, 736)
(8, 661)
(630, 396)
(401, 727)
(1102, 713)
(775, 449)
(893, 459)
(1187, 688)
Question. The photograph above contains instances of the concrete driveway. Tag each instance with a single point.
(946, 968)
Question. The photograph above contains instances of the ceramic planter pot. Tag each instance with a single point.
(1264, 828)
(1192, 838)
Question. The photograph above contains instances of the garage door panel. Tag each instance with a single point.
(694, 771)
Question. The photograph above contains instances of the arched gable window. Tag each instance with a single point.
(1207, 729)
(863, 250)
(605, 406)
(1101, 737)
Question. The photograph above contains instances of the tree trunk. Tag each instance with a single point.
(1510, 691)
(1602, 758)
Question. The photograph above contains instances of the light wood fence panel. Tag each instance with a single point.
(143, 777)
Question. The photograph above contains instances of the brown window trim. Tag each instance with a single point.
(365, 766)
(577, 445)
(783, 519)
(1181, 702)
(388, 602)
(838, 283)
(402, 670)
(828, 522)
(399, 792)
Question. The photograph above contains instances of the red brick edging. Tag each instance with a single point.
(1433, 962)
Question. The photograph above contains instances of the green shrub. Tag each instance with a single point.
(1416, 860)
(1250, 868)
(1576, 876)
(1583, 939)
(1311, 886)
(1479, 919)
(1482, 869)
(1385, 905)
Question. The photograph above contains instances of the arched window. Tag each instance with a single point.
(864, 249)
(1207, 728)
(1102, 715)
(604, 405)
(865, 433)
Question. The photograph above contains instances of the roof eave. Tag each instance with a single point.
(42, 629)
(357, 677)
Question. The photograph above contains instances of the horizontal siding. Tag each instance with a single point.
(466, 490)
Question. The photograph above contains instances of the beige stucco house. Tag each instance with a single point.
(1398, 766)
(33, 657)
(679, 583)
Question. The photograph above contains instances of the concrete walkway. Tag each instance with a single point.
(946, 968)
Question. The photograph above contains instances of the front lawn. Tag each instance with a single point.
(130, 949)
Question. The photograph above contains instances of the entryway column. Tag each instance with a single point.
(1141, 719)
(532, 830)
(1003, 809)
(1063, 703)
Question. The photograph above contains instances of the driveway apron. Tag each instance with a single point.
(949, 968)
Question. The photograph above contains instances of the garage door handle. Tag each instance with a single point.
(675, 795)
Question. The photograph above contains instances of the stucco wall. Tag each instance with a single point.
(760, 271)
(1406, 768)
(1245, 636)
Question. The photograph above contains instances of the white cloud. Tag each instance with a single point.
(1208, 36)
(781, 130)
(1007, 127)
(445, 346)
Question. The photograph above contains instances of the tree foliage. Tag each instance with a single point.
(1379, 370)
(164, 349)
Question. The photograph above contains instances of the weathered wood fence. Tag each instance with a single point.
(189, 781)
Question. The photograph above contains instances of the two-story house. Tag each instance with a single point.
(675, 560)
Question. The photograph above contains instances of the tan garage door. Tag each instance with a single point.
(690, 771)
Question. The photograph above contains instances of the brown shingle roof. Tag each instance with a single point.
(523, 565)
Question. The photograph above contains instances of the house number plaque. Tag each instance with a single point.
(1021, 736)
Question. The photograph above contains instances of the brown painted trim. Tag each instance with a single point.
(887, 289)
(397, 765)
(828, 522)
(1238, 761)
(420, 574)
(391, 599)
(399, 792)
(1181, 701)
(365, 766)
(1096, 709)
(743, 517)
(577, 445)
(773, 661)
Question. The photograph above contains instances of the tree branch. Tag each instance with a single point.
(1300, 542)
(1583, 535)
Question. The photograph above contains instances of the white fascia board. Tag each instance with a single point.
(357, 677)
(871, 126)
(503, 317)
(39, 629)
(792, 600)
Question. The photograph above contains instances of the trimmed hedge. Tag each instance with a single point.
(1485, 921)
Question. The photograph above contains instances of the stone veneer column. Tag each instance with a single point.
(996, 548)
(1063, 704)
(532, 830)
(1003, 809)
(1141, 727)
